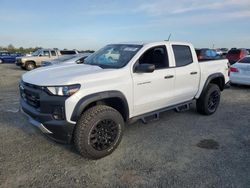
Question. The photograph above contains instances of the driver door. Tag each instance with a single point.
(153, 91)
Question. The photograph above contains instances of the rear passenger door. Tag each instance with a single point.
(187, 73)
(53, 54)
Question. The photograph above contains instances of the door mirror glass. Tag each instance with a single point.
(144, 68)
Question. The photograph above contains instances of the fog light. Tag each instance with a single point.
(58, 113)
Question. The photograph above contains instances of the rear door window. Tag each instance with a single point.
(183, 55)
(53, 53)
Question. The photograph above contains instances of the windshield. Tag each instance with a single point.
(113, 56)
(37, 52)
(245, 60)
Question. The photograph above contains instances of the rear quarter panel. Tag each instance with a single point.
(211, 67)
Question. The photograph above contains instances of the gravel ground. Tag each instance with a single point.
(162, 153)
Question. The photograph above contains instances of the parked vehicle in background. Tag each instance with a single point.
(31, 62)
(235, 55)
(6, 57)
(67, 59)
(89, 103)
(224, 51)
(240, 72)
(219, 52)
(206, 54)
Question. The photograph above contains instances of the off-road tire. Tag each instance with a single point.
(88, 122)
(202, 104)
(30, 66)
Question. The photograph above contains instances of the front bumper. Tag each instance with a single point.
(37, 124)
(18, 63)
(42, 116)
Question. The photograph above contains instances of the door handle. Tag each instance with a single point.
(192, 73)
(169, 76)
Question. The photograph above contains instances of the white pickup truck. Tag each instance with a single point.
(88, 104)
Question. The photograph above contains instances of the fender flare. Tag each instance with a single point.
(29, 61)
(85, 101)
(210, 78)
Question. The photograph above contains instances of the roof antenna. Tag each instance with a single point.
(169, 37)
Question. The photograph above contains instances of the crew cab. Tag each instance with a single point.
(35, 60)
(88, 104)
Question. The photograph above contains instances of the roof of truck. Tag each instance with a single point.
(151, 42)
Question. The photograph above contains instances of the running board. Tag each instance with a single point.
(155, 115)
(183, 108)
(149, 118)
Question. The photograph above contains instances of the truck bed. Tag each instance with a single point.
(210, 67)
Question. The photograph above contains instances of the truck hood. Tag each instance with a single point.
(62, 74)
(27, 57)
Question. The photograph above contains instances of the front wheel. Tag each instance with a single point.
(30, 66)
(98, 132)
(209, 101)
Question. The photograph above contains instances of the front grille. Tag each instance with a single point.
(29, 95)
(32, 98)
(18, 60)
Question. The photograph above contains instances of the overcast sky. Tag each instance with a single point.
(91, 24)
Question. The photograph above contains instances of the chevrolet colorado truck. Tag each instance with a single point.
(88, 104)
(35, 60)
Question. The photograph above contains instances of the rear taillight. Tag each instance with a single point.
(233, 69)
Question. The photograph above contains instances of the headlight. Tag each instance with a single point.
(63, 90)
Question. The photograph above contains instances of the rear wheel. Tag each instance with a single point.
(30, 66)
(98, 132)
(209, 101)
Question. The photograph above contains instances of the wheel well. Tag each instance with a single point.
(30, 62)
(114, 102)
(218, 81)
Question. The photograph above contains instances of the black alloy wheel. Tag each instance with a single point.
(213, 101)
(103, 134)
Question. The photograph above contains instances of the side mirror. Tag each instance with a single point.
(144, 68)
